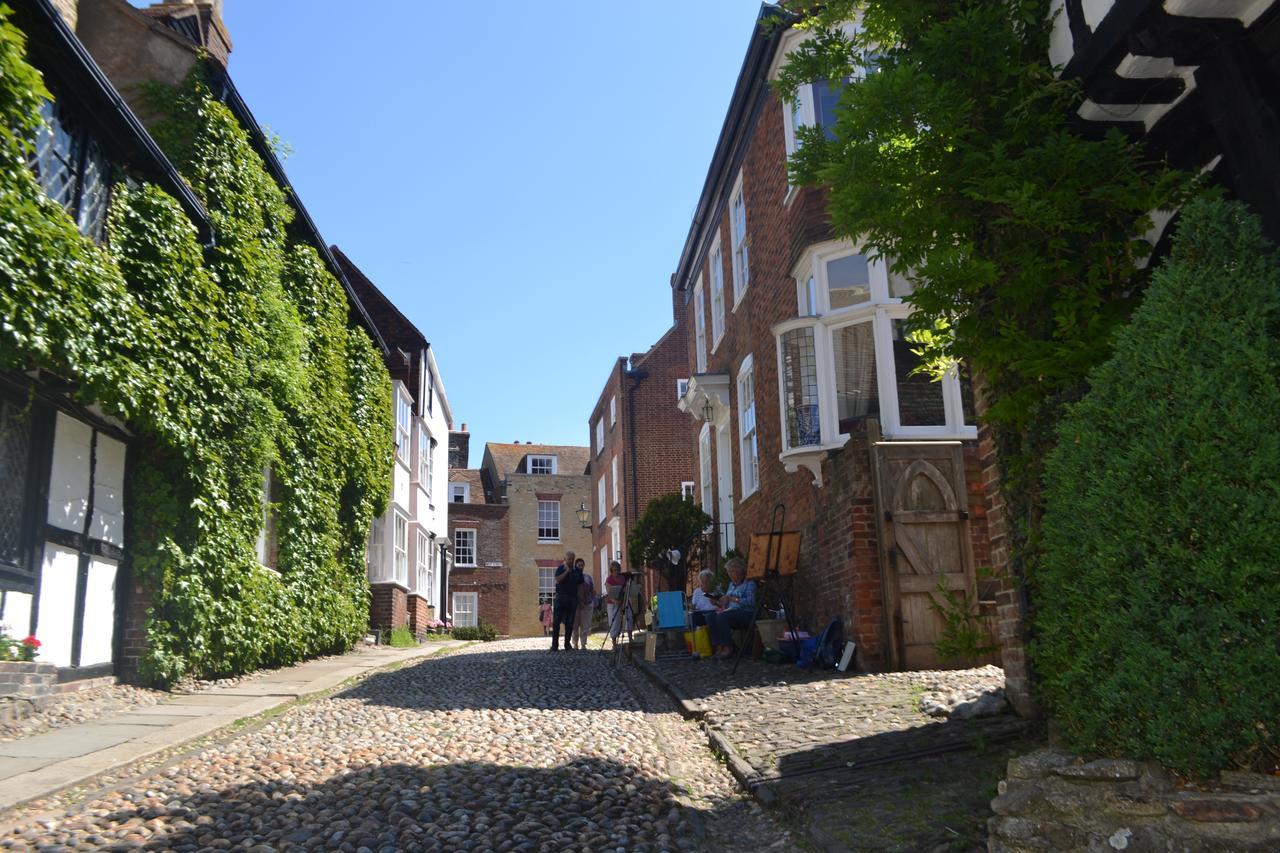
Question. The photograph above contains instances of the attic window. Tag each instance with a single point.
(542, 464)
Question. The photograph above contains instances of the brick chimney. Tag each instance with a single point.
(199, 21)
(459, 448)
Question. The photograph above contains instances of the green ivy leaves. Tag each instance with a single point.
(224, 360)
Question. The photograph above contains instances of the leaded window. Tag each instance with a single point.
(72, 168)
(15, 451)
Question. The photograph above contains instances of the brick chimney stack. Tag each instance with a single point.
(199, 21)
(459, 448)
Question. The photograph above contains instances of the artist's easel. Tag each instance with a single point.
(773, 555)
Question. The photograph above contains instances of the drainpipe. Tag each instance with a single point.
(636, 377)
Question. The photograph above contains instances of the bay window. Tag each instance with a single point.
(400, 551)
(422, 565)
(847, 357)
(404, 415)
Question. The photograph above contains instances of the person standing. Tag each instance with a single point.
(586, 606)
(613, 586)
(567, 578)
(544, 617)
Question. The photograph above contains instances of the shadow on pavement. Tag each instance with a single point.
(588, 804)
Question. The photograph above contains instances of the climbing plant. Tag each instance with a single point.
(951, 155)
(226, 361)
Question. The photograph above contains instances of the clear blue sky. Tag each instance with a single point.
(517, 177)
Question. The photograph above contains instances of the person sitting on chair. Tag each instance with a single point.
(736, 607)
(704, 601)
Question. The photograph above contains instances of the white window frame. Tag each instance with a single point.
(600, 435)
(467, 616)
(433, 565)
(688, 490)
(615, 538)
(716, 263)
(422, 565)
(603, 508)
(456, 489)
(549, 460)
(400, 548)
(682, 388)
(616, 489)
(748, 434)
(704, 470)
(546, 584)
(459, 550)
(741, 259)
(377, 551)
(613, 411)
(699, 327)
(546, 522)
(881, 310)
(404, 424)
(425, 442)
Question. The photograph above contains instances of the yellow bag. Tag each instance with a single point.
(688, 641)
(702, 641)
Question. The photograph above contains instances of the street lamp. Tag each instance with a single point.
(584, 516)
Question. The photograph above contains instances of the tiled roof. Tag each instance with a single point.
(507, 458)
(472, 477)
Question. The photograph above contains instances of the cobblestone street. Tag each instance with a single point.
(500, 746)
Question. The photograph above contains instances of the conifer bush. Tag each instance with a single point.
(1157, 593)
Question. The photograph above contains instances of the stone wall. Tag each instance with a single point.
(1054, 801)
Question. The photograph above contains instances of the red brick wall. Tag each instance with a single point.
(489, 582)
(388, 607)
(133, 643)
(840, 569)
(419, 612)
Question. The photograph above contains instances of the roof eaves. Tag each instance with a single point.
(91, 84)
(743, 107)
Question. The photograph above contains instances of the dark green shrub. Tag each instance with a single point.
(483, 632)
(1158, 592)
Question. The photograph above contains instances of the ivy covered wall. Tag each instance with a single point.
(225, 361)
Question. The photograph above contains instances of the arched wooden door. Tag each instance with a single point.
(921, 499)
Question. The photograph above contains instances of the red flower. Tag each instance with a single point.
(32, 642)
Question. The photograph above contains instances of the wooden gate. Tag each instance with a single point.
(922, 504)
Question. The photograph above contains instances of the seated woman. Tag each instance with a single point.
(737, 606)
(704, 601)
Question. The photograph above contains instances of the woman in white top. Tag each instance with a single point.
(704, 601)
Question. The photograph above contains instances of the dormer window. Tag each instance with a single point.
(542, 464)
(459, 493)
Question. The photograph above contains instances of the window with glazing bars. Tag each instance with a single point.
(548, 521)
(72, 168)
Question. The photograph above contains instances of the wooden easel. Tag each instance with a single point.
(772, 556)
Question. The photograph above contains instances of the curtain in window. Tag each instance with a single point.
(854, 354)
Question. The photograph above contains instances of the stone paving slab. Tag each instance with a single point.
(73, 741)
(37, 766)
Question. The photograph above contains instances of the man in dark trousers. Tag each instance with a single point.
(567, 579)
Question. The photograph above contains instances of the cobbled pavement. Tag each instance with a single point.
(497, 747)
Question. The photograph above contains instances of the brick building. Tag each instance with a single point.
(479, 585)
(802, 393)
(639, 442)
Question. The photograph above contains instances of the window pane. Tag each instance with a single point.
(853, 351)
(848, 281)
(919, 397)
(15, 443)
(800, 388)
(826, 98)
